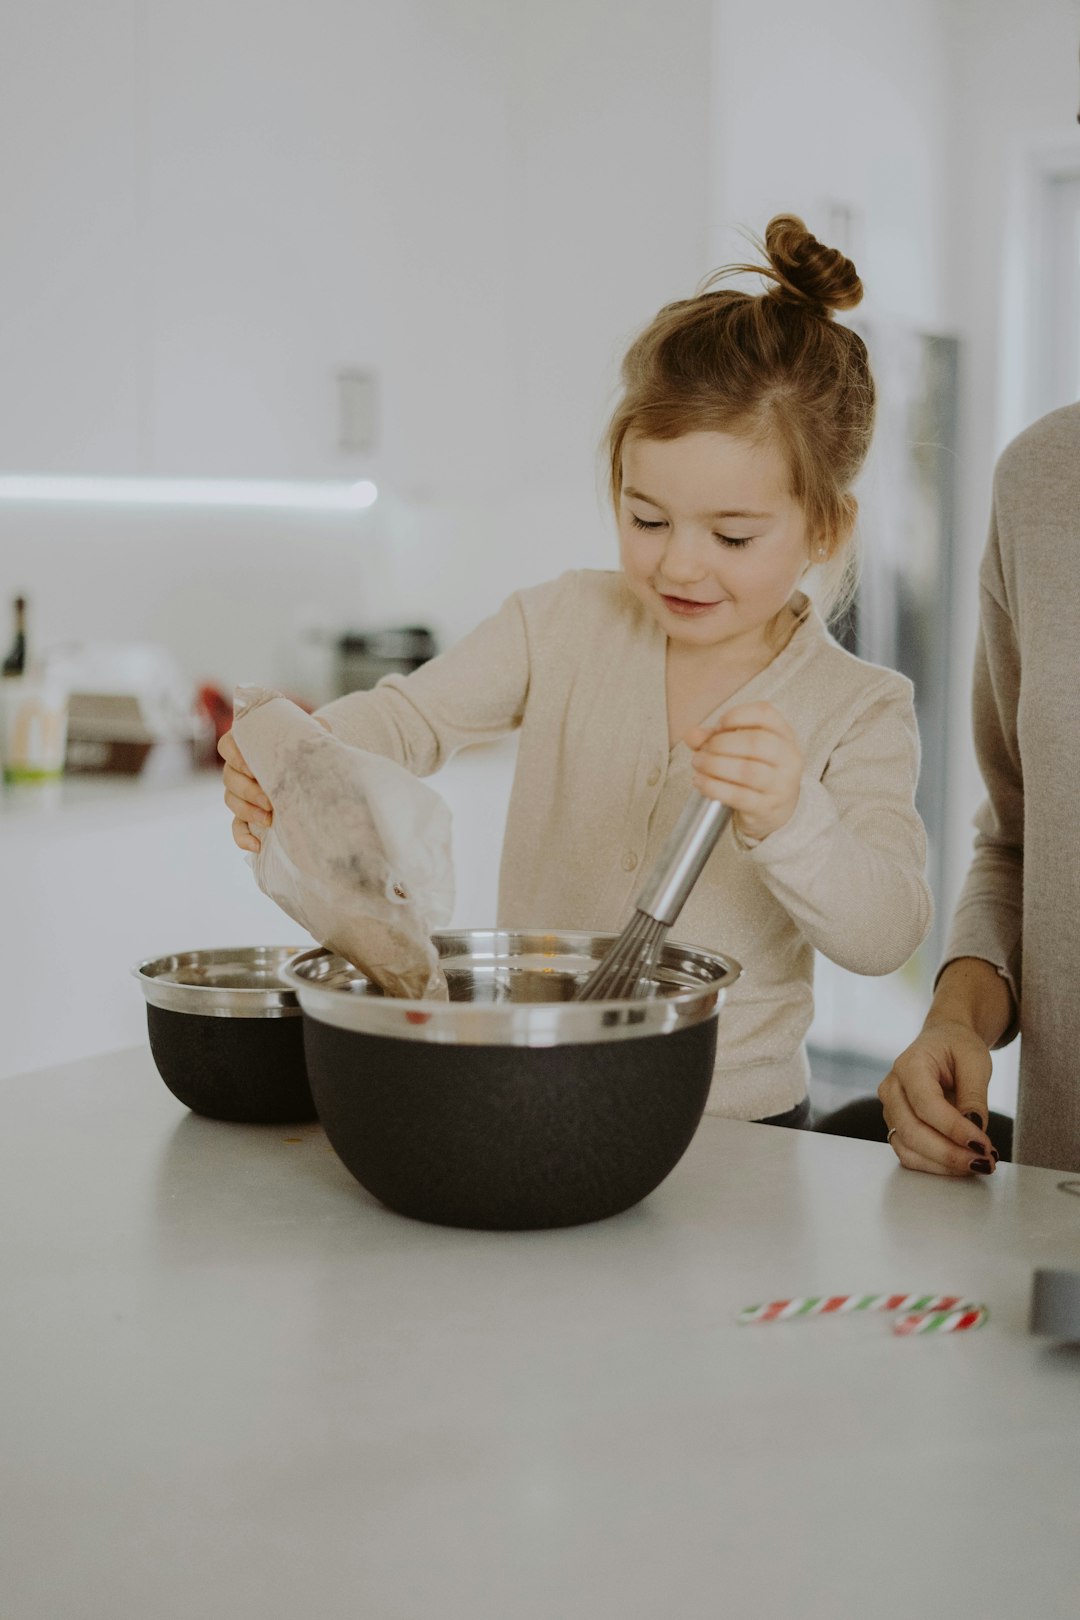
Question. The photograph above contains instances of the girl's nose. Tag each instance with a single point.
(682, 562)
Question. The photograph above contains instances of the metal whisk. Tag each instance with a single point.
(625, 972)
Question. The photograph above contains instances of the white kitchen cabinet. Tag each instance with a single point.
(74, 321)
(216, 207)
(330, 189)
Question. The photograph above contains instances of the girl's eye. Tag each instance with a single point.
(734, 539)
(639, 523)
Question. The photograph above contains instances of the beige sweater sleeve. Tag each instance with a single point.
(848, 867)
(988, 922)
(473, 693)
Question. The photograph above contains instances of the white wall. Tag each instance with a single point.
(69, 273)
(841, 104)
(1016, 88)
(327, 185)
(482, 203)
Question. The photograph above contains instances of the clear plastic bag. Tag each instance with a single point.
(359, 850)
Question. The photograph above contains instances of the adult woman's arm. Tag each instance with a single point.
(941, 1080)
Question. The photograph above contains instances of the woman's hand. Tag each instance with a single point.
(750, 760)
(935, 1102)
(935, 1095)
(245, 798)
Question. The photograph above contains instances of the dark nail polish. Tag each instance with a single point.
(976, 1119)
(994, 1155)
(977, 1147)
(982, 1167)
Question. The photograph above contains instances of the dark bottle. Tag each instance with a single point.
(15, 662)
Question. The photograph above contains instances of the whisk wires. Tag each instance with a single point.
(626, 972)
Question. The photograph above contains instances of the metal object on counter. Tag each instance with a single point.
(226, 1035)
(511, 1105)
(241, 981)
(514, 989)
(626, 971)
(1055, 1305)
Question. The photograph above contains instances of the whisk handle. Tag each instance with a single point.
(678, 868)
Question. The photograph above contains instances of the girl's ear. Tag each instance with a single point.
(820, 545)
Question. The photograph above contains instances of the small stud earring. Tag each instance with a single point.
(823, 551)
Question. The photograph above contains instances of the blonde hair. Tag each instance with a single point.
(771, 366)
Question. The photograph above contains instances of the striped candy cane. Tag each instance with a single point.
(957, 1321)
(783, 1310)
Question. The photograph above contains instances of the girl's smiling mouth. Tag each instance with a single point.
(686, 607)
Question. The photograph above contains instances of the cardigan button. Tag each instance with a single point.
(653, 777)
(629, 861)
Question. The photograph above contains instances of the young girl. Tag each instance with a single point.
(700, 666)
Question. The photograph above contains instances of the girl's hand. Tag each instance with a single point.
(245, 798)
(750, 760)
(932, 1098)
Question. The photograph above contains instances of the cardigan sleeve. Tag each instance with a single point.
(848, 867)
(473, 693)
(988, 921)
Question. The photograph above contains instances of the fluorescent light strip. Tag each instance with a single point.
(295, 494)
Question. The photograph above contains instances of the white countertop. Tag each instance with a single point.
(233, 1385)
(40, 809)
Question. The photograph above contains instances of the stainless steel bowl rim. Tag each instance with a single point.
(345, 1005)
(269, 998)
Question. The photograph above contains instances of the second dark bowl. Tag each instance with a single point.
(226, 1036)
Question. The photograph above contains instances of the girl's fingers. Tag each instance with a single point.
(725, 735)
(245, 788)
(757, 714)
(244, 797)
(244, 783)
(243, 836)
(763, 745)
(243, 810)
(229, 750)
(751, 773)
(734, 798)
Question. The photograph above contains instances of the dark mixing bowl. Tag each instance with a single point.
(226, 1035)
(511, 1105)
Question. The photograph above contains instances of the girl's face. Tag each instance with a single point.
(711, 539)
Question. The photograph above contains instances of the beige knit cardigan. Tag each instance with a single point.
(1020, 905)
(578, 666)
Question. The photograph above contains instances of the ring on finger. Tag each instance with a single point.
(891, 1133)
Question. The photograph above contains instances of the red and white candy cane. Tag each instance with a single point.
(957, 1321)
(784, 1310)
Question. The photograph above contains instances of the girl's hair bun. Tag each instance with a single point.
(805, 271)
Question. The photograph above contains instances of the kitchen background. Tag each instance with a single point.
(327, 242)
